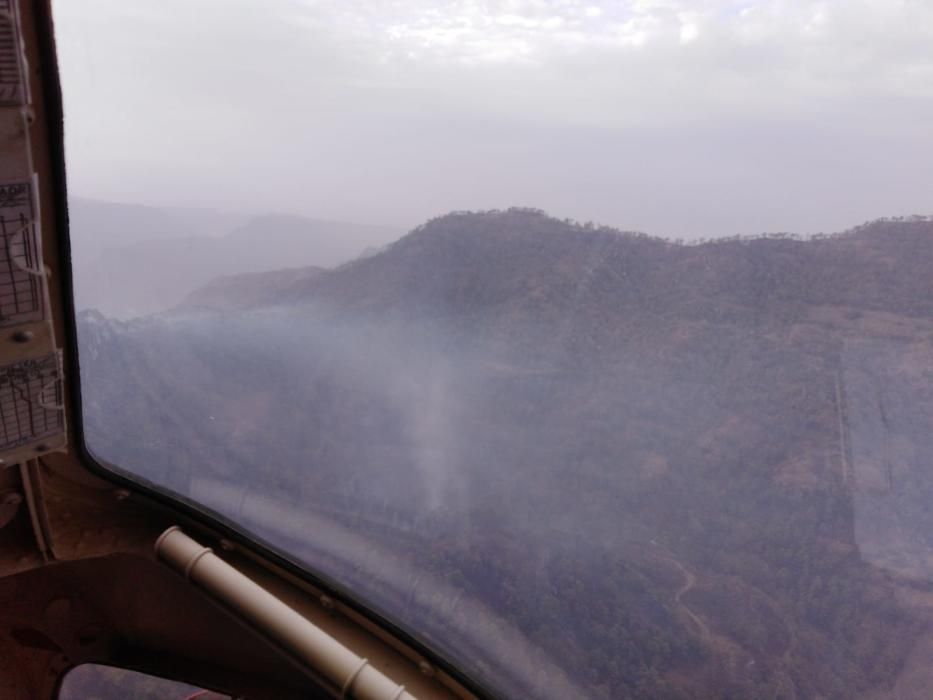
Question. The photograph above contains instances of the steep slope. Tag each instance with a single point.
(655, 470)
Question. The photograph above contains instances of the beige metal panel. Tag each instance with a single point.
(29, 424)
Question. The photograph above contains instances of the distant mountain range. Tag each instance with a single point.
(587, 463)
(248, 290)
(133, 260)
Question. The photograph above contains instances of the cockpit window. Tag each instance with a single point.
(591, 343)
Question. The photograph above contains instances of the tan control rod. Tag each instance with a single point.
(351, 674)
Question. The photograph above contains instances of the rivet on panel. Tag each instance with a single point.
(121, 494)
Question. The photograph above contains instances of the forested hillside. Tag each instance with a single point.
(584, 462)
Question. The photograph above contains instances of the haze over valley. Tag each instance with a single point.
(624, 467)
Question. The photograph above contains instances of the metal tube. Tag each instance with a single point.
(353, 675)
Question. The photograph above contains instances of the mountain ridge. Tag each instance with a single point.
(572, 259)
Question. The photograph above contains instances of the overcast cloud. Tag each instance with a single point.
(678, 118)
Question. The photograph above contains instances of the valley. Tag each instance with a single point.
(583, 462)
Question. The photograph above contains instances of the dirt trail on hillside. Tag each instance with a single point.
(690, 580)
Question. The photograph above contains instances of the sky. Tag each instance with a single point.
(681, 119)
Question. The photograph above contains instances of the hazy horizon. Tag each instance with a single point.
(402, 229)
(675, 118)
